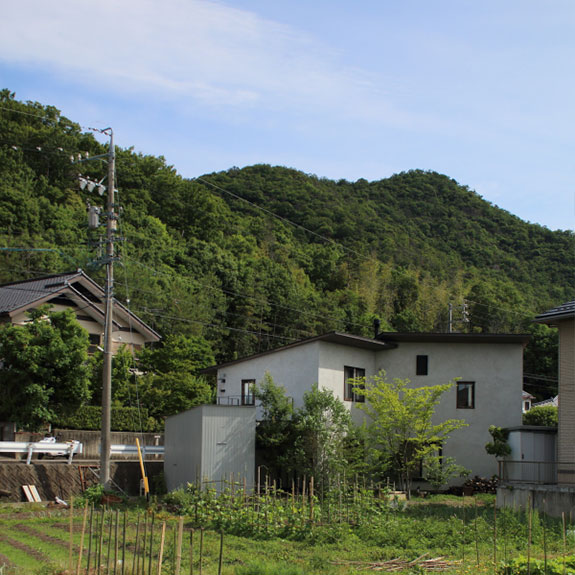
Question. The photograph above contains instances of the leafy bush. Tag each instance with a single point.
(499, 446)
(520, 566)
(544, 415)
(90, 417)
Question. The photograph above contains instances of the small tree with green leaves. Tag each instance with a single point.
(499, 446)
(321, 427)
(400, 425)
(275, 430)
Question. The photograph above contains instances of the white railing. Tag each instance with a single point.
(68, 449)
(133, 449)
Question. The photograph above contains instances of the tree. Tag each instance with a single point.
(45, 367)
(275, 430)
(166, 394)
(321, 426)
(400, 425)
(499, 446)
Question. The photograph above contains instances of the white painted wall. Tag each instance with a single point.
(296, 369)
(496, 369)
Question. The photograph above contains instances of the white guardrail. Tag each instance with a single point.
(69, 449)
(133, 449)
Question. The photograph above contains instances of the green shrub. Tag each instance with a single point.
(520, 566)
(544, 415)
(89, 417)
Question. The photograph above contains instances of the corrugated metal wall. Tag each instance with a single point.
(210, 443)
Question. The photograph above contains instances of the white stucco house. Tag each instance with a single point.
(489, 368)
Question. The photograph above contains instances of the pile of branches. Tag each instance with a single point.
(435, 564)
(482, 484)
(475, 485)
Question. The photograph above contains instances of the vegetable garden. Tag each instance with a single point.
(349, 529)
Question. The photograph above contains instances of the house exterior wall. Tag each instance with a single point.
(296, 369)
(495, 368)
(566, 414)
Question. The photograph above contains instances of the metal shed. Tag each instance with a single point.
(210, 443)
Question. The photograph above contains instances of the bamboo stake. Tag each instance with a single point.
(124, 546)
(564, 539)
(545, 536)
(116, 541)
(79, 565)
(71, 547)
(529, 521)
(151, 545)
(192, 552)
(90, 538)
(161, 553)
(144, 539)
(504, 526)
(494, 534)
(179, 546)
(201, 548)
(101, 541)
(476, 536)
(136, 545)
(221, 553)
(463, 529)
(109, 542)
(311, 491)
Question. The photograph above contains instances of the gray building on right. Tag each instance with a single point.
(563, 318)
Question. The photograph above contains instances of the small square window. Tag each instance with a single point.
(465, 395)
(350, 375)
(421, 365)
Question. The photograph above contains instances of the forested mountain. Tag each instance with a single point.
(257, 257)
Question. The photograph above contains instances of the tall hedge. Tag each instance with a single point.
(89, 417)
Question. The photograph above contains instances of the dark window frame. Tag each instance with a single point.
(248, 391)
(463, 401)
(350, 372)
(422, 365)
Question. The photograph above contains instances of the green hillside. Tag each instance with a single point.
(257, 257)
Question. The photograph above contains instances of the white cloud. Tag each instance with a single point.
(197, 51)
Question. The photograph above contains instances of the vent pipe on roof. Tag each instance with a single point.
(376, 324)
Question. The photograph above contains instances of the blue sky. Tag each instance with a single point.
(481, 91)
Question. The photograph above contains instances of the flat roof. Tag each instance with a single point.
(454, 337)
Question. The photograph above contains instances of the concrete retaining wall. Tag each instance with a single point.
(550, 499)
(63, 480)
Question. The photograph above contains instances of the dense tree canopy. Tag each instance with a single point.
(249, 259)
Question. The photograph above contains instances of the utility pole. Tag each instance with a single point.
(464, 307)
(109, 317)
(111, 224)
